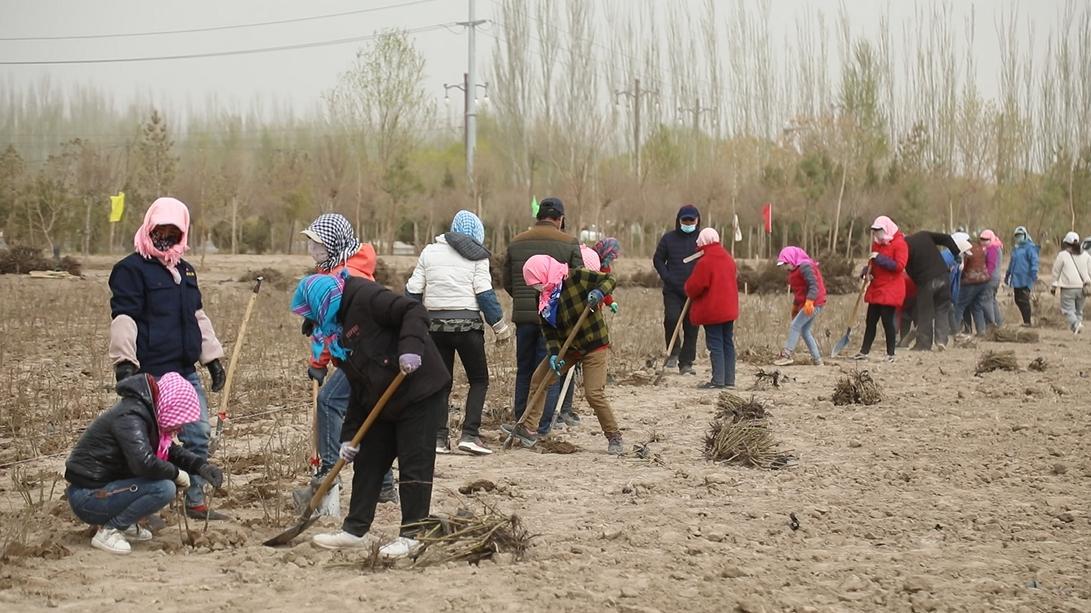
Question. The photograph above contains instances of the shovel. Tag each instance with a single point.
(308, 517)
(843, 342)
(225, 400)
(674, 339)
(560, 399)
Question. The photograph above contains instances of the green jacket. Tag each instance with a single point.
(543, 238)
(571, 304)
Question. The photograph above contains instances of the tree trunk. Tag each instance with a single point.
(848, 239)
(234, 225)
(88, 204)
(837, 211)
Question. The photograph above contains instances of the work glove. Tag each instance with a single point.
(502, 330)
(182, 480)
(317, 373)
(864, 271)
(219, 377)
(613, 307)
(556, 364)
(808, 308)
(1053, 291)
(348, 452)
(594, 298)
(124, 370)
(308, 327)
(408, 362)
(212, 474)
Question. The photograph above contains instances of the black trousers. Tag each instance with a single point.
(875, 312)
(1022, 300)
(470, 347)
(685, 348)
(411, 438)
(931, 316)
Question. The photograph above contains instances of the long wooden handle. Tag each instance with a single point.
(314, 419)
(859, 299)
(678, 327)
(544, 385)
(327, 483)
(225, 401)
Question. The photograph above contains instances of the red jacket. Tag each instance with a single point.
(713, 288)
(800, 288)
(888, 272)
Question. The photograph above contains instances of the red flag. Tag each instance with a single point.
(767, 216)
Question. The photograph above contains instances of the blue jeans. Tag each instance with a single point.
(530, 350)
(119, 504)
(720, 339)
(333, 401)
(801, 328)
(194, 439)
(976, 298)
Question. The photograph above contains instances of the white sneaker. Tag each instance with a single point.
(399, 548)
(475, 446)
(785, 359)
(341, 540)
(138, 534)
(111, 540)
(1079, 327)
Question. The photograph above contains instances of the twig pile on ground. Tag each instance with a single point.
(997, 360)
(1038, 365)
(736, 408)
(553, 445)
(21, 260)
(857, 388)
(763, 379)
(740, 435)
(1012, 335)
(471, 537)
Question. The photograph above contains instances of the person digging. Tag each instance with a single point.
(564, 296)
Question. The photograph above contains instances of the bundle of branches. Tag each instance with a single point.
(1012, 335)
(1038, 364)
(997, 360)
(21, 260)
(747, 443)
(471, 537)
(857, 388)
(736, 408)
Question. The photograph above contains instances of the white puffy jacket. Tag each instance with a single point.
(449, 281)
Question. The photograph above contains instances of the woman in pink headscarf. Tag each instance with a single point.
(994, 260)
(126, 465)
(886, 293)
(159, 324)
(809, 297)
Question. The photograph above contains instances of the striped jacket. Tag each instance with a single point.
(571, 303)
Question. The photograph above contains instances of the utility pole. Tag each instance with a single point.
(636, 94)
(469, 101)
(696, 110)
(471, 111)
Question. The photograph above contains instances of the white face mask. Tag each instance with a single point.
(318, 252)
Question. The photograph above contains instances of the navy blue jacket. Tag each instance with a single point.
(168, 338)
(674, 247)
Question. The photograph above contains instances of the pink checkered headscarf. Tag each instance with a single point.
(175, 406)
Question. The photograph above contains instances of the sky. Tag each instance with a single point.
(297, 77)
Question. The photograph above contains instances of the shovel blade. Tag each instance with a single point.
(841, 343)
(286, 537)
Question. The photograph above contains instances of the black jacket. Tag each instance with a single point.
(378, 326)
(925, 262)
(543, 238)
(674, 247)
(168, 338)
(121, 443)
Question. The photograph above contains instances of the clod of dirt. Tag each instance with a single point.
(481, 485)
(857, 388)
(1038, 365)
(1012, 335)
(552, 445)
(49, 550)
(997, 360)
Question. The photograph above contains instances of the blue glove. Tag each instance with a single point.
(613, 307)
(594, 298)
(317, 373)
(556, 364)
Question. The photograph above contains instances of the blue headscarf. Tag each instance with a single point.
(467, 223)
(318, 298)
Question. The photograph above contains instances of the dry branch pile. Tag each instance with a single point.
(471, 537)
(736, 408)
(857, 388)
(1012, 335)
(997, 360)
(740, 435)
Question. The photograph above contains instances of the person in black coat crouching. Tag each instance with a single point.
(126, 465)
(372, 334)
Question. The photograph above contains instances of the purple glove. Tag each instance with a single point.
(408, 362)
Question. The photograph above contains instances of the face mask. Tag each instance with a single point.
(317, 252)
(1020, 239)
(165, 237)
(163, 244)
(689, 228)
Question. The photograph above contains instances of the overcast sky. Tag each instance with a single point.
(299, 76)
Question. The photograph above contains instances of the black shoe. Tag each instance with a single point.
(672, 363)
(521, 435)
(709, 385)
(686, 369)
(202, 511)
(389, 493)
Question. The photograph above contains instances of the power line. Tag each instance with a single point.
(218, 28)
(190, 56)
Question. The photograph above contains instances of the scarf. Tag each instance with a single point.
(544, 270)
(335, 232)
(176, 405)
(793, 257)
(591, 259)
(318, 298)
(164, 212)
(469, 224)
(609, 249)
(888, 227)
(994, 240)
(707, 237)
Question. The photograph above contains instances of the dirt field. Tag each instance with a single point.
(956, 493)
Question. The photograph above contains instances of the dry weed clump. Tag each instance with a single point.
(857, 388)
(1012, 335)
(997, 360)
(471, 537)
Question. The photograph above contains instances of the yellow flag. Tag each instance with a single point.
(117, 207)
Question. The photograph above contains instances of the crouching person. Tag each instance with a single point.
(126, 465)
(372, 333)
(563, 296)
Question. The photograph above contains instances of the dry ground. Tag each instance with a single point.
(957, 492)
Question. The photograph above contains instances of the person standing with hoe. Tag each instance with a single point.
(714, 290)
(670, 261)
(886, 292)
